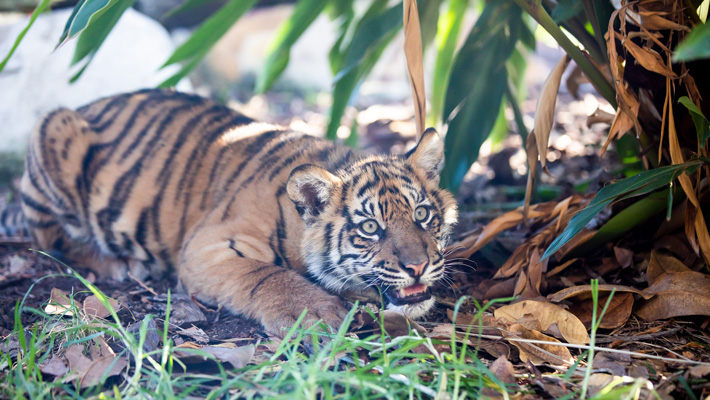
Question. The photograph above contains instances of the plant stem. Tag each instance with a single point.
(535, 9)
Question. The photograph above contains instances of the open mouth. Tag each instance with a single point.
(408, 295)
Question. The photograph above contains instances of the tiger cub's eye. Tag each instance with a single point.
(421, 213)
(370, 226)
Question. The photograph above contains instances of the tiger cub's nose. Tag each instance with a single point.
(416, 270)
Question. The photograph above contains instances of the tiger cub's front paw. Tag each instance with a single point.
(320, 305)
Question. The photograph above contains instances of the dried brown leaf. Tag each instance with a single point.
(676, 294)
(55, 367)
(582, 292)
(545, 110)
(60, 303)
(649, 59)
(78, 362)
(503, 370)
(624, 257)
(617, 313)
(415, 65)
(539, 353)
(652, 20)
(105, 367)
(660, 264)
(569, 325)
(196, 333)
(93, 308)
(238, 357)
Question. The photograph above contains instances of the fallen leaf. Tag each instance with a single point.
(660, 263)
(18, 265)
(617, 313)
(624, 257)
(539, 353)
(570, 326)
(598, 381)
(503, 370)
(55, 367)
(196, 333)
(238, 357)
(700, 371)
(676, 294)
(585, 292)
(93, 308)
(78, 362)
(60, 303)
(104, 367)
(183, 311)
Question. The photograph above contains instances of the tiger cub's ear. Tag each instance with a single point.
(310, 187)
(428, 155)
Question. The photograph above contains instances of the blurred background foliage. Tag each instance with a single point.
(648, 58)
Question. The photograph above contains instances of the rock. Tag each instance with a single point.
(36, 79)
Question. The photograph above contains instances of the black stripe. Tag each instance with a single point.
(253, 291)
(232, 245)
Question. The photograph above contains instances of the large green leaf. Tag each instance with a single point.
(186, 6)
(41, 7)
(702, 125)
(303, 16)
(428, 17)
(360, 55)
(566, 9)
(446, 40)
(204, 37)
(369, 35)
(637, 185)
(696, 45)
(93, 36)
(476, 87)
(85, 13)
(345, 88)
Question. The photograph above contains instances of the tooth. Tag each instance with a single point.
(402, 293)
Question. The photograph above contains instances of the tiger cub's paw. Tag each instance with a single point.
(321, 306)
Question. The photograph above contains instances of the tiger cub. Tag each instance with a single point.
(245, 212)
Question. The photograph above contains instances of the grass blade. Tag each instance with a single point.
(41, 7)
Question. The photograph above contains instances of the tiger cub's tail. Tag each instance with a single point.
(12, 221)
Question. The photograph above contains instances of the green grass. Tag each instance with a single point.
(335, 365)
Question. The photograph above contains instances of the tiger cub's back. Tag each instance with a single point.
(130, 175)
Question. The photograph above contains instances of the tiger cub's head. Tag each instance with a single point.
(381, 222)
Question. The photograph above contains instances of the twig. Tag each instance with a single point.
(143, 285)
(637, 338)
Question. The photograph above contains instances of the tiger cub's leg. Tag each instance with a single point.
(54, 201)
(215, 271)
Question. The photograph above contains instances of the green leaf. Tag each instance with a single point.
(93, 36)
(303, 16)
(85, 13)
(626, 220)
(204, 37)
(695, 45)
(473, 99)
(428, 17)
(371, 32)
(186, 6)
(702, 125)
(41, 7)
(446, 41)
(637, 185)
(566, 9)
(359, 57)
(345, 87)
